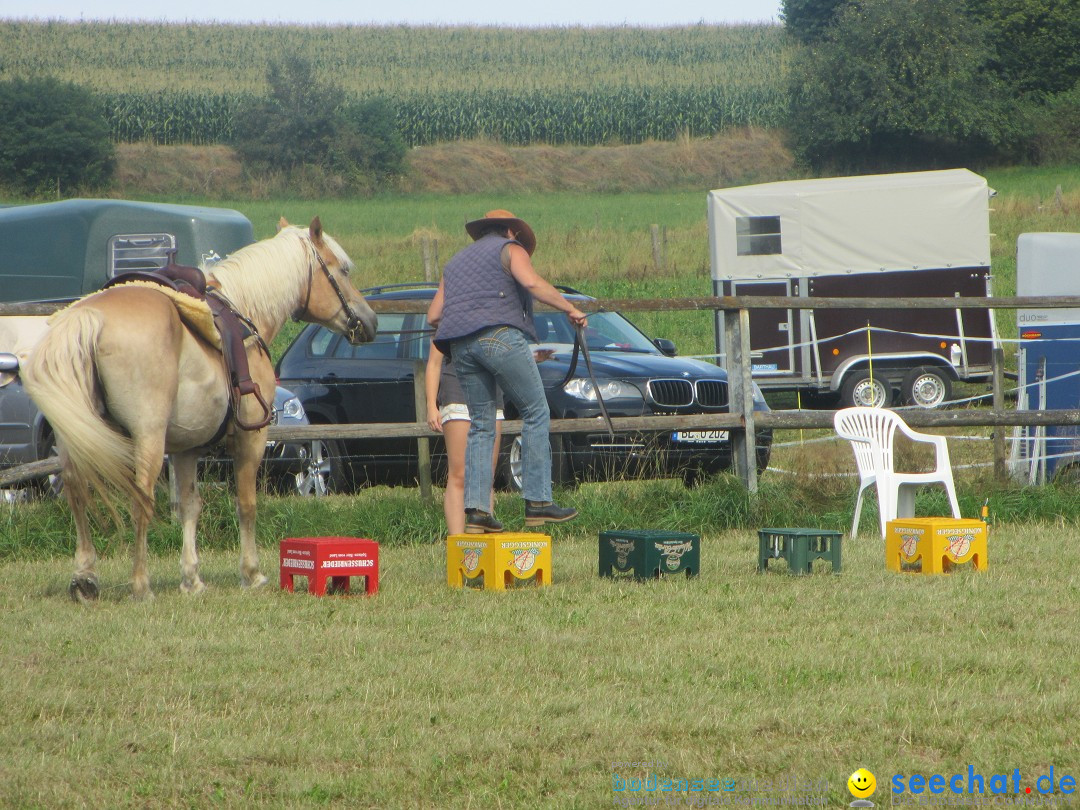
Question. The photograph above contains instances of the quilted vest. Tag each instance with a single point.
(480, 293)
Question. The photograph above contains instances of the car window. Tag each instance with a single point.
(321, 342)
(608, 331)
(386, 346)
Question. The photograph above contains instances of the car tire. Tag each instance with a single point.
(326, 472)
(862, 390)
(314, 479)
(510, 465)
(926, 387)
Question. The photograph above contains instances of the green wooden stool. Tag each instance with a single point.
(800, 547)
(649, 553)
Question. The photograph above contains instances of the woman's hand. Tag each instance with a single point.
(433, 420)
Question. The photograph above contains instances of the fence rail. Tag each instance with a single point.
(742, 420)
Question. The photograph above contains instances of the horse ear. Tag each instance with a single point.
(315, 230)
(282, 224)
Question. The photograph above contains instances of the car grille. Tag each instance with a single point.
(684, 393)
(672, 393)
(712, 393)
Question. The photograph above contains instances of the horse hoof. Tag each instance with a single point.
(256, 582)
(143, 596)
(193, 588)
(83, 590)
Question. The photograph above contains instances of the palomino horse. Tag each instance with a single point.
(123, 380)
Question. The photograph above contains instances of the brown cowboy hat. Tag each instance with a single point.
(504, 219)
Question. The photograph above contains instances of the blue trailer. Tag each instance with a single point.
(1048, 366)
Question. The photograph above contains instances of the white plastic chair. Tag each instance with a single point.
(871, 432)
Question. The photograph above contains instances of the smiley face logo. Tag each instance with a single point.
(862, 784)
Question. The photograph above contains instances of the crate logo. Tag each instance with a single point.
(908, 544)
(523, 559)
(471, 561)
(861, 785)
(672, 553)
(622, 551)
(960, 545)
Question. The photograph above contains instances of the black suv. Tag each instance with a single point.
(373, 383)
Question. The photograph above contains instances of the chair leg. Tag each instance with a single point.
(951, 490)
(858, 512)
(886, 508)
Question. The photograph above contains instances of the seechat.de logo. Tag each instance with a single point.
(861, 785)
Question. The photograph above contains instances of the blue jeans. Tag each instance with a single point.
(502, 355)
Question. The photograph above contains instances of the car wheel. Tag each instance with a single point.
(926, 387)
(314, 479)
(512, 465)
(862, 390)
(325, 472)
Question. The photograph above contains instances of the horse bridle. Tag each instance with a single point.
(580, 346)
(354, 326)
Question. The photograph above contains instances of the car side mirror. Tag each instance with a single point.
(666, 347)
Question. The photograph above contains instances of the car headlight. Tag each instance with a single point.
(292, 408)
(583, 388)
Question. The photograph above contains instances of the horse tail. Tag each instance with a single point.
(61, 377)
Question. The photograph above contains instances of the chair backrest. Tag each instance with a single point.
(871, 431)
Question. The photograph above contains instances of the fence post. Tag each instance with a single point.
(741, 394)
(997, 365)
(423, 444)
(430, 249)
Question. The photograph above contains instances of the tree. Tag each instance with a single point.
(53, 134)
(897, 83)
(1037, 42)
(305, 122)
(808, 20)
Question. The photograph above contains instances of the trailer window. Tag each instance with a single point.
(140, 251)
(757, 236)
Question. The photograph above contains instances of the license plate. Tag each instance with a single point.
(700, 436)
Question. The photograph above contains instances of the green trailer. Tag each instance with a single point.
(62, 250)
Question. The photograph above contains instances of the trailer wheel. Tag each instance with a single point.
(860, 390)
(926, 387)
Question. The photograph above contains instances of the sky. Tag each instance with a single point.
(412, 12)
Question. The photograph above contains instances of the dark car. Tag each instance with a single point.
(373, 383)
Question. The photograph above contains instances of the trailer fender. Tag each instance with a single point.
(892, 366)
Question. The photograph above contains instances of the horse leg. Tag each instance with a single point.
(149, 456)
(84, 584)
(185, 468)
(248, 448)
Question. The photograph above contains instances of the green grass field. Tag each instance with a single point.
(426, 696)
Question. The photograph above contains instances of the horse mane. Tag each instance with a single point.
(266, 279)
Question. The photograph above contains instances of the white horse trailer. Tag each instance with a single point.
(911, 235)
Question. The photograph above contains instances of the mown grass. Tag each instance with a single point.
(426, 696)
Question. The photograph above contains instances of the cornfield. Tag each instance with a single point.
(182, 83)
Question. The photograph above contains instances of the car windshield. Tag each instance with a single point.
(607, 331)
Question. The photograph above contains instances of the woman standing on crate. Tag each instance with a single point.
(484, 314)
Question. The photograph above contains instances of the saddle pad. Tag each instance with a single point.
(193, 312)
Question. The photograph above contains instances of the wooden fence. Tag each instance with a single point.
(741, 420)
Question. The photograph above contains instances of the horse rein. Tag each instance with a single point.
(579, 340)
(354, 326)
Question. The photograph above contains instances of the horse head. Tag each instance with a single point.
(331, 298)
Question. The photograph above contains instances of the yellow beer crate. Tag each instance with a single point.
(498, 561)
(934, 545)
